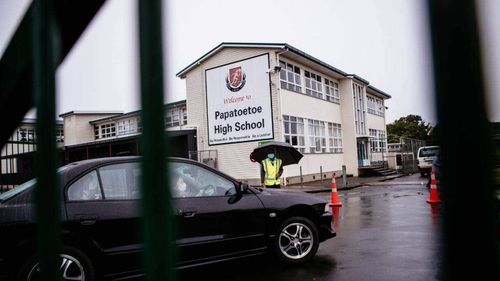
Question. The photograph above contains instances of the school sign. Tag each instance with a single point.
(239, 101)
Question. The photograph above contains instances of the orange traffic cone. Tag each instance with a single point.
(434, 196)
(336, 215)
(335, 195)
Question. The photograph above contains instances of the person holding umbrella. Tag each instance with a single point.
(271, 167)
(270, 171)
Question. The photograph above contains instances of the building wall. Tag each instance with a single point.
(300, 105)
(375, 122)
(77, 128)
(348, 127)
(308, 107)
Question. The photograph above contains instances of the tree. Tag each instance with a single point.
(411, 126)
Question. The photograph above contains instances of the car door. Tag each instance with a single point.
(214, 221)
(102, 207)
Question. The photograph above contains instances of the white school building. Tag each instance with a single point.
(241, 94)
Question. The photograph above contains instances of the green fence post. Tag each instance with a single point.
(465, 138)
(47, 190)
(156, 207)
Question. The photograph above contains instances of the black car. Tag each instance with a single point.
(218, 219)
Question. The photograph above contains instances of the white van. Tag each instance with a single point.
(425, 157)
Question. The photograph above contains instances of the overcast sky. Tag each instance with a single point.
(385, 42)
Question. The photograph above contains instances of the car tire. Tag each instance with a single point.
(296, 241)
(74, 264)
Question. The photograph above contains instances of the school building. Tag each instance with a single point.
(241, 94)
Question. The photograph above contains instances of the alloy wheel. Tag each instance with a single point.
(296, 241)
(69, 269)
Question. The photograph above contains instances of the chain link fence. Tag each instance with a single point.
(408, 151)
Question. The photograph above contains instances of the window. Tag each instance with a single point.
(104, 131)
(96, 132)
(120, 181)
(123, 127)
(332, 91)
(294, 132)
(172, 118)
(382, 141)
(126, 127)
(184, 116)
(290, 77)
(23, 136)
(87, 188)
(375, 106)
(139, 124)
(380, 107)
(59, 135)
(108, 130)
(190, 180)
(335, 138)
(31, 135)
(378, 140)
(313, 85)
(317, 140)
(26, 135)
(359, 109)
(373, 139)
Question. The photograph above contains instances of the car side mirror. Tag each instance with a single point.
(243, 186)
(240, 189)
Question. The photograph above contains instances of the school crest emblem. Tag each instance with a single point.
(235, 79)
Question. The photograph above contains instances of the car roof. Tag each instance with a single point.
(425, 147)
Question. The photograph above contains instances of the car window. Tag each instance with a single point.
(120, 181)
(428, 152)
(86, 188)
(189, 180)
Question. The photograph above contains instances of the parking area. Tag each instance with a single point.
(385, 231)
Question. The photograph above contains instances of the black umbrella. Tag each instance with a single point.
(283, 150)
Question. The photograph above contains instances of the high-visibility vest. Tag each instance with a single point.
(271, 171)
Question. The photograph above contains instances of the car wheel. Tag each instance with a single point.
(297, 240)
(74, 265)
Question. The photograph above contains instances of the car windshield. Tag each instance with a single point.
(429, 152)
(20, 188)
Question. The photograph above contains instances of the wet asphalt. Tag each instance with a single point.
(385, 231)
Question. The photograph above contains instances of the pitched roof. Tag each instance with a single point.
(283, 46)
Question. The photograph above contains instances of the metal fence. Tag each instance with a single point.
(408, 154)
(44, 37)
(456, 55)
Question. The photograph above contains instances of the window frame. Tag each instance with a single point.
(332, 92)
(301, 148)
(314, 80)
(105, 130)
(375, 106)
(316, 126)
(334, 136)
(101, 181)
(289, 69)
(81, 176)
